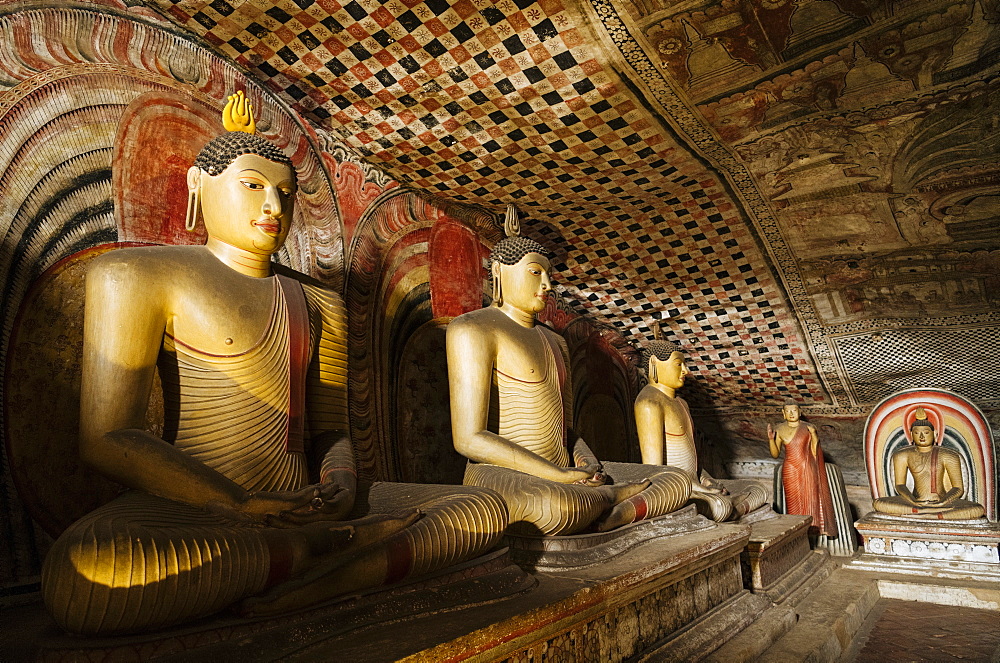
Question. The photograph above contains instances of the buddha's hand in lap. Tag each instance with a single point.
(291, 508)
(595, 475)
(579, 475)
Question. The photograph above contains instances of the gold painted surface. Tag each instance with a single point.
(43, 400)
(928, 480)
(223, 509)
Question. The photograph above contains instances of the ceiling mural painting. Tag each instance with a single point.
(873, 138)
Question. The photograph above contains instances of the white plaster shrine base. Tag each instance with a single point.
(946, 548)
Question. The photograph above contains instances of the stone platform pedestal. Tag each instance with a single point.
(673, 592)
(777, 545)
(673, 597)
(578, 551)
(946, 548)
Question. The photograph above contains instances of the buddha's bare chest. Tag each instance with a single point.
(524, 354)
(223, 318)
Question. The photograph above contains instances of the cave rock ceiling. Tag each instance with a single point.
(805, 194)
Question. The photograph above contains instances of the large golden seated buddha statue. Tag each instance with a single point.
(512, 416)
(666, 436)
(244, 499)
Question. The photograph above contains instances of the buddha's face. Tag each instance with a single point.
(923, 436)
(525, 285)
(791, 413)
(672, 371)
(248, 205)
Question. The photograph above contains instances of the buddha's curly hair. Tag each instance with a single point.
(510, 250)
(222, 151)
(659, 349)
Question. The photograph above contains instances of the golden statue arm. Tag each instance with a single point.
(579, 451)
(953, 468)
(813, 440)
(773, 442)
(326, 401)
(582, 455)
(470, 362)
(649, 422)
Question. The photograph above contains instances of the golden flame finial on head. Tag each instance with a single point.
(238, 114)
(920, 414)
(511, 222)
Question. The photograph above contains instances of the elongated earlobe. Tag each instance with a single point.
(194, 203)
(194, 198)
(497, 291)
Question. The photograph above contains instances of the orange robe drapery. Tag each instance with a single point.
(807, 491)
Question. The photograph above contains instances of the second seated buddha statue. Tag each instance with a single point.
(512, 417)
(243, 500)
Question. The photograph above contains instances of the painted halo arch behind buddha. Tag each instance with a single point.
(959, 426)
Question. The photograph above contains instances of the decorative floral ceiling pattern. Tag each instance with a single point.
(802, 193)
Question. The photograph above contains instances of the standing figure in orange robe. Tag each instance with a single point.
(803, 474)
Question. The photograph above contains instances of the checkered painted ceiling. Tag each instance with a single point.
(492, 102)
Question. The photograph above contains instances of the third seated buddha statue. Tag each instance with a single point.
(511, 408)
(243, 500)
(936, 473)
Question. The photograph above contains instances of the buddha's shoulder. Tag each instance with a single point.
(649, 395)
(480, 318)
(149, 262)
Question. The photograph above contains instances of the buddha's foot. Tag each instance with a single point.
(709, 484)
(622, 491)
(356, 560)
(698, 487)
(623, 512)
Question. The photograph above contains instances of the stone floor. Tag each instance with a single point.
(913, 631)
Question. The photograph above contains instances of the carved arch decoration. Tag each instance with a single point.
(77, 89)
(412, 263)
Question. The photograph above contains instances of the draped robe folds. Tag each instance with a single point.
(928, 470)
(143, 562)
(537, 416)
(803, 476)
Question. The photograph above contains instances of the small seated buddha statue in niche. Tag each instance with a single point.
(932, 468)
(666, 436)
(803, 473)
(511, 408)
(243, 500)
